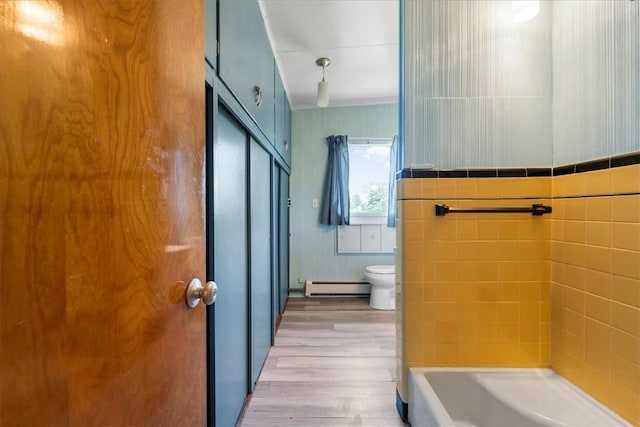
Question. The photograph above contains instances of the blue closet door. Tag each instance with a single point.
(246, 60)
(284, 239)
(260, 204)
(283, 122)
(230, 269)
(275, 227)
(210, 32)
(281, 97)
(287, 131)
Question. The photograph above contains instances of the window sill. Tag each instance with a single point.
(367, 220)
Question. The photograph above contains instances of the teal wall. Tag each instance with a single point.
(313, 246)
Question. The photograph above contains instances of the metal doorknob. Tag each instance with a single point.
(196, 292)
(258, 95)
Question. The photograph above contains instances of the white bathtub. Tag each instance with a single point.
(501, 397)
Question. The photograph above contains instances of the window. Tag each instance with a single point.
(369, 182)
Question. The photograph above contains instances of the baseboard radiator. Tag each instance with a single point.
(335, 288)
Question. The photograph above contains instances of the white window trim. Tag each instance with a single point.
(366, 219)
(363, 218)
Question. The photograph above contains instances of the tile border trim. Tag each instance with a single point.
(589, 166)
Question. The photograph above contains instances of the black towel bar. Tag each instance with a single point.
(535, 209)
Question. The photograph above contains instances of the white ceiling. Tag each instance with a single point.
(359, 36)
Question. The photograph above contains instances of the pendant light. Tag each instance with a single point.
(323, 85)
(524, 10)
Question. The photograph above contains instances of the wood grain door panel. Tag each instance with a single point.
(101, 212)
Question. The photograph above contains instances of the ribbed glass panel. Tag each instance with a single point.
(596, 79)
(478, 86)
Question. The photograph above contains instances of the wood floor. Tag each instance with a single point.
(333, 364)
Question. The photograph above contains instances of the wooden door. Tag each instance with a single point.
(101, 212)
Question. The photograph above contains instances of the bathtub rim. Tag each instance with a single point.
(438, 414)
(442, 418)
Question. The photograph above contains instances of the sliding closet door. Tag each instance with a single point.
(284, 238)
(230, 242)
(260, 204)
(275, 194)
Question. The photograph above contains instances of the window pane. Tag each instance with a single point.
(368, 179)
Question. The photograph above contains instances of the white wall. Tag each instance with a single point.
(313, 246)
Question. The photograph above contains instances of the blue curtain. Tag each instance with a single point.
(394, 166)
(335, 194)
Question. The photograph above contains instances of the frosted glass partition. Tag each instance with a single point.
(596, 79)
(477, 85)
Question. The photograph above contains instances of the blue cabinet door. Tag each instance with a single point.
(281, 97)
(287, 132)
(230, 269)
(284, 239)
(283, 122)
(210, 36)
(246, 61)
(275, 245)
(260, 217)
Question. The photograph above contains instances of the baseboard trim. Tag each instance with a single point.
(335, 288)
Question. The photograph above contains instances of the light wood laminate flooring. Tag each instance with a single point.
(333, 364)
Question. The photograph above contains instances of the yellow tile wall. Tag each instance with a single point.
(507, 290)
(595, 286)
(474, 289)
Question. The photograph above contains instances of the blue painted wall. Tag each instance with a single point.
(313, 246)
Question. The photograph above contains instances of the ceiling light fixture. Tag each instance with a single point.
(524, 10)
(323, 85)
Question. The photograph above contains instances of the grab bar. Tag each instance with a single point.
(535, 209)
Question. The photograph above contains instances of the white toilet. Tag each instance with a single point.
(383, 286)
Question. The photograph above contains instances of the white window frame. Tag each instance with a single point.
(365, 218)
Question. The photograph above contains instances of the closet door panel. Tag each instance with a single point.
(210, 32)
(287, 132)
(231, 315)
(275, 227)
(284, 238)
(283, 122)
(246, 61)
(280, 122)
(260, 203)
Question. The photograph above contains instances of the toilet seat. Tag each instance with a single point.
(381, 269)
